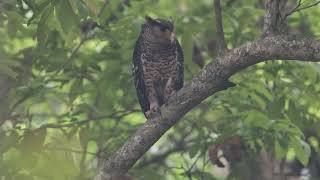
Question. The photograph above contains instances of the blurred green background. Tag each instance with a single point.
(67, 97)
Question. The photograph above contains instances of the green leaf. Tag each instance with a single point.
(203, 175)
(302, 150)
(95, 67)
(260, 101)
(43, 28)
(72, 132)
(193, 151)
(83, 10)
(8, 72)
(75, 90)
(6, 142)
(314, 142)
(311, 73)
(92, 6)
(84, 137)
(276, 107)
(14, 23)
(67, 18)
(73, 4)
(33, 140)
(257, 119)
(6, 67)
(32, 5)
(11, 63)
(280, 151)
(263, 90)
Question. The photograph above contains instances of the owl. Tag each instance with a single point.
(157, 64)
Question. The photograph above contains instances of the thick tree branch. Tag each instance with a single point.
(213, 78)
(272, 18)
(221, 42)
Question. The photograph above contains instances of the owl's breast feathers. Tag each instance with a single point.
(162, 60)
(154, 63)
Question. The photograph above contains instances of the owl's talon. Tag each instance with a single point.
(168, 90)
(148, 114)
(153, 109)
(172, 93)
(168, 94)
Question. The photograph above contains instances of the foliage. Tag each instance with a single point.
(67, 96)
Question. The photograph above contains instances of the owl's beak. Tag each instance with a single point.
(172, 37)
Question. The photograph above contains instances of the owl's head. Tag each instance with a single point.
(159, 30)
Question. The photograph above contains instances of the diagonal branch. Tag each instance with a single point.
(179, 145)
(88, 120)
(222, 45)
(299, 8)
(161, 157)
(294, 9)
(309, 6)
(211, 79)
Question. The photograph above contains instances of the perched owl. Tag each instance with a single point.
(157, 64)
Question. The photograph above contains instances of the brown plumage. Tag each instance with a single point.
(157, 64)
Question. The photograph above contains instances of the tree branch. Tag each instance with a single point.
(272, 18)
(221, 42)
(179, 145)
(161, 157)
(116, 115)
(211, 79)
(299, 8)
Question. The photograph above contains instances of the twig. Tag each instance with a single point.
(106, 2)
(20, 101)
(188, 172)
(179, 146)
(222, 45)
(82, 160)
(76, 49)
(309, 6)
(297, 8)
(82, 122)
(82, 41)
(161, 157)
(71, 150)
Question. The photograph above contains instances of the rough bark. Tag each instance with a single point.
(272, 18)
(213, 78)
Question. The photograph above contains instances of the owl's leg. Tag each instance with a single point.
(169, 89)
(152, 97)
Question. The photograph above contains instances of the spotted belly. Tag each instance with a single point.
(160, 70)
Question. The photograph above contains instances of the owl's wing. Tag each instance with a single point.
(180, 59)
(138, 77)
